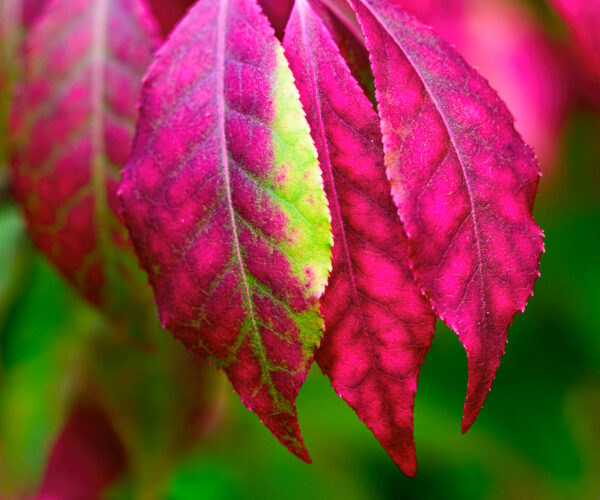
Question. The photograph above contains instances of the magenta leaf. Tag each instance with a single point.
(224, 202)
(87, 457)
(510, 49)
(378, 325)
(74, 123)
(464, 183)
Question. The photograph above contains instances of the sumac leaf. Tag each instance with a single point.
(378, 325)
(224, 201)
(74, 122)
(464, 183)
(87, 457)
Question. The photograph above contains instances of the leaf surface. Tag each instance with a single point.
(224, 202)
(378, 325)
(464, 183)
(74, 122)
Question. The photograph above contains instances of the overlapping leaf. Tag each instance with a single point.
(464, 184)
(378, 325)
(224, 202)
(74, 122)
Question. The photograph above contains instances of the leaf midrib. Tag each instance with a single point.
(222, 25)
(98, 62)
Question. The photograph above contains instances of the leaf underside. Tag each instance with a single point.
(224, 202)
(464, 183)
(378, 325)
(74, 120)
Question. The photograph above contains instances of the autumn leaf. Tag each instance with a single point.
(224, 202)
(378, 325)
(464, 183)
(86, 458)
(74, 122)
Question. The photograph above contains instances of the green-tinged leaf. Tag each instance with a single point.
(224, 201)
(72, 128)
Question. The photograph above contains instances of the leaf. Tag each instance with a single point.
(464, 184)
(224, 202)
(583, 18)
(510, 49)
(74, 122)
(379, 326)
(86, 458)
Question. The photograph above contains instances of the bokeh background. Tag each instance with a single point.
(80, 401)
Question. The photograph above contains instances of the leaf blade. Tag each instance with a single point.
(84, 63)
(378, 325)
(241, 248)
(447, 141)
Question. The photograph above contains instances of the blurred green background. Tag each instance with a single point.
(538, 435)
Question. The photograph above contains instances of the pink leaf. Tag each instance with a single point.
(509, 47)
(379, 326)
(224, 202)
(87, 457)
(74, 123)
(464, 183)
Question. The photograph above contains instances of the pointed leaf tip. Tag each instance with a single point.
(378, 325)
(464, 183)
(224, 201)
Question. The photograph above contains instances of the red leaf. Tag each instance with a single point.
(224, 202)
(86, 458)
(510, 49)
(464, 183)
(74, 122)
(379, 326)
